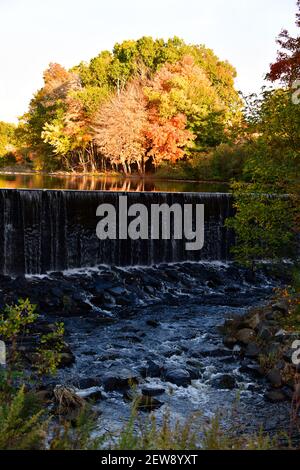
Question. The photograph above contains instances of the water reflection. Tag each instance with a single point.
(104, 183)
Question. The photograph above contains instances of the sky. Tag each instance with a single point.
(34, 33)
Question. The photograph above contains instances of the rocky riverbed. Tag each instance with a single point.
(159, 328)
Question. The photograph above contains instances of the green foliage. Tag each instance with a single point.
(49, 351)
(262, 224)
(20, 427)
(16, 317)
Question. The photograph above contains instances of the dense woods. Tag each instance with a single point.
(147, 102)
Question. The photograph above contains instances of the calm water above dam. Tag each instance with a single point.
(104, 183)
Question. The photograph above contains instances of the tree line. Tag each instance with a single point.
(146, 102)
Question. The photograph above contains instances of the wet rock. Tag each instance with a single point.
(281, 307)
(194, 373)
(180, 377)
(153, 323)
(152, 369)
(207, 350)
(66, 359)
(88, 382)
(114, 381)
(275, 396)
(264, 333)
(148, 403)
(224, 381)
(230, 341)
(274, 377)
(252, 350)
(116, 291)
(245, 336)
(254, 370)
(252, 322)
(152, 391)
(92, 395)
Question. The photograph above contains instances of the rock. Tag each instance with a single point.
(252, 322)
(252, 350)
(180, 377)
(274, 377)
(93, 395)
(264, 333)
(229, 341)
(117, 291)
(207, 350)
(114, 381)
(44, 396)
(66, 359)
(153, 323)
(254, 370)
(275, 396)
(148, 403)
(281, 307)
(224, 381)
(194, 373)
(88, 383)
(152, 391)
(245, 336)
(151, 369)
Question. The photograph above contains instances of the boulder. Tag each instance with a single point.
(252, 350)
(180, 377)
(148, 403)
(224, 381)
(275, 396)
(245, 336)
(152, 391)
(152, 369)
(274, 377)
(115, 381)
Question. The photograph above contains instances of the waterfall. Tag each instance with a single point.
(51, 230)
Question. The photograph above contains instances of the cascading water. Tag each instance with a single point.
(48, 230)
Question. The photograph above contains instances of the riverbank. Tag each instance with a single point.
(270, 337)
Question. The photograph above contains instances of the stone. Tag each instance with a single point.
(254, 370)
(114, 381)
(224, 381)
(93, 395)
(148, 403)
(153, 323)
(180, 377)
(252, 350)
(66, 359)
(152, 369)
(252, 322)
(230, 341)
(152, 391)
(275, 396)
(274, 377)
(88, 383)
(245, 336)
(264, 333)
(281, 306)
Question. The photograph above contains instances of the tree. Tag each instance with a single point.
(119, 129)
(287, 66)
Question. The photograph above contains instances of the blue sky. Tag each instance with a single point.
(36, 32)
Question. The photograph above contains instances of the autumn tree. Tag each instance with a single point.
(119, 129)
(287, 66)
